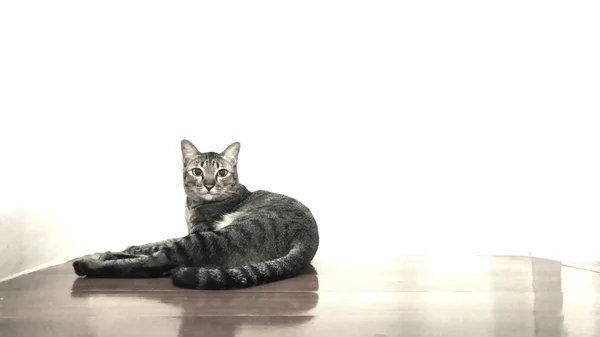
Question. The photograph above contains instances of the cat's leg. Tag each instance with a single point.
(219, 248)
(155, 265)
(136, 251)
(171, 253)
(149, 248)
(117, 256)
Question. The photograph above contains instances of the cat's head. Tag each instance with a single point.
(209, 176)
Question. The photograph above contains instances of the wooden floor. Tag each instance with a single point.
(405, 296)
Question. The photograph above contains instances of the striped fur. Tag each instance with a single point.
(237, 238)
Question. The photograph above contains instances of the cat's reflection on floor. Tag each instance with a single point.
(272, 306)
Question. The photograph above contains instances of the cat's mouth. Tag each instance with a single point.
(208, 194)
(203, 193)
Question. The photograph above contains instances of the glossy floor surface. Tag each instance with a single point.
(404, 296)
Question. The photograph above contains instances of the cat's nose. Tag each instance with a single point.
(209, 187)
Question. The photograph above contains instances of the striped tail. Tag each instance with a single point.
(290, 265)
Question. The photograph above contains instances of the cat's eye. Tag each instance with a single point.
(222, 172)
(197, 172)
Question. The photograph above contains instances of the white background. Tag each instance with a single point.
(407, 127)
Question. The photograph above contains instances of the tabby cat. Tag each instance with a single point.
(236, 238)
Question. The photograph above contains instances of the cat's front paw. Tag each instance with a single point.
(82, 266)
(137, 250)
(87, 266)
(108, 256)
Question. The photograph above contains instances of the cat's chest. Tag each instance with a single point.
(197, 218)
(226, 220)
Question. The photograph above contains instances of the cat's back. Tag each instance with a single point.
(266, 203)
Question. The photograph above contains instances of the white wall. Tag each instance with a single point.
(405, 126)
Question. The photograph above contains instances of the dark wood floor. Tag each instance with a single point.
(405, 296)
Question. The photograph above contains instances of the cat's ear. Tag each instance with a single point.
(231, 152)
(189, 151)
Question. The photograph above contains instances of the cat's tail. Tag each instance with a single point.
(290, 265)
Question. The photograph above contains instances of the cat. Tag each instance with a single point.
(236, 238)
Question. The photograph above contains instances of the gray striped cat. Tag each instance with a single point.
(236, 239)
